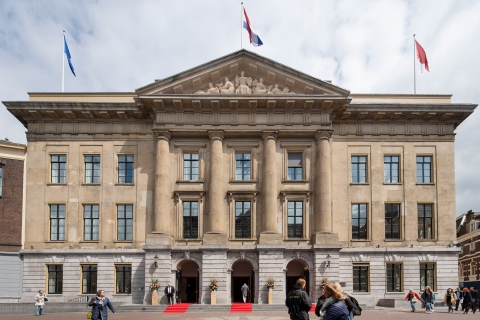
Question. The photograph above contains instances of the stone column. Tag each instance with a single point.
(269, 232)
(215, 226)
(323, 190)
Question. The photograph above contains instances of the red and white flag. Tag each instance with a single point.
(421, 55)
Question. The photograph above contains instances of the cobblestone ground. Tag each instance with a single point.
(391, 314)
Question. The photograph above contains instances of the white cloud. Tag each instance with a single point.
(364, 46)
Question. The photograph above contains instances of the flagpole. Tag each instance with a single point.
(414, 68)
(241, 26)
(63, 62)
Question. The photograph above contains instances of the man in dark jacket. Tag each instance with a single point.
(298, 302)
(459, 295)
(474, 294)
(170, 292)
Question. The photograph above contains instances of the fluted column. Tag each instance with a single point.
(163, 221)
(323, 189)
(269, 183)
(216, 222)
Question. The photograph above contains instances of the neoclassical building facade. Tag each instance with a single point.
(240, 169)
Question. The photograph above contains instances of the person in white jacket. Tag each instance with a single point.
(39, 302)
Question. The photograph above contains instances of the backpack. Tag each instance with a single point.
(357, 311)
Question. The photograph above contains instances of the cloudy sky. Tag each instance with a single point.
(363, 46)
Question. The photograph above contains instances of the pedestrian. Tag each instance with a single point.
(350, 305)
(449, 299)
(244, 292)
(40, 299)
(459, 295)
(170, 293)
(100, 305)
(298, 301)
(474, 294)
(334, 307)
(467, 300)
(320, 303)
(427, 297)
(413, 298)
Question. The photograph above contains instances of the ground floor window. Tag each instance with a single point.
(394, 277)
(360, 278)
(123, 278)
(427, 275)
(55, 279)
(89, 279)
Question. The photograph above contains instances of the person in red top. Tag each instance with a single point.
(413, 297)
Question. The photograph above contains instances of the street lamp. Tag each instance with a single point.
(327, 265)
(155, 261)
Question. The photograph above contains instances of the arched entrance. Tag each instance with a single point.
(297, 269)
(242, 272)
(187, 281)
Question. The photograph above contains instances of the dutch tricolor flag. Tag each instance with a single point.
(254, 38)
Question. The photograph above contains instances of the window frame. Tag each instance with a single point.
(423, 169)
(433, 286)
(191, 167)
(393, 272)
(367, 221)
(190, 216)
(125, 226)
(432, 221)
(361, 265)
(90, 278)
(303, 147)
(243, 219)
(126, 169)
(93, 170)
(296, 196)
(59, 168)
(390, 169)
(58, 221)
(189, 196)
(391, 224)
(123, 265)
(185, 147)
(242, 196)
(358, 170)
(302, 174)
(295, 216)
(243, 167)
(471, 247)
(92, 220)
(57, 285)
(243, 147)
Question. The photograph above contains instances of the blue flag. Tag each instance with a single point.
(69, 57)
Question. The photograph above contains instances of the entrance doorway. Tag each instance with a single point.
(242, 272)
(297, 269)
(187, 281)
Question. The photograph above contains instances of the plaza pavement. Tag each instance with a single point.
(390, 314)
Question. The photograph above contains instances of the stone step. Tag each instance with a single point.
(141, 308)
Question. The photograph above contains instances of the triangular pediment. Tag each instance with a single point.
(248, 74)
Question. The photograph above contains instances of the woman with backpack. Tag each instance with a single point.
(427, 297)
(412, 297)
(334, 306)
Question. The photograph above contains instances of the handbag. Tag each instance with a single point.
(415, 300)
(89, 315)
(45, 299)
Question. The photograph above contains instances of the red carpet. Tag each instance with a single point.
(177, 308)
(312, 309)
(241, 307)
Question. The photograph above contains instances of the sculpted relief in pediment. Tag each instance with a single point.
(243, 85)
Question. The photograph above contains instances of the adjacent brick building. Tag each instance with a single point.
(12, 195)
(468, 236)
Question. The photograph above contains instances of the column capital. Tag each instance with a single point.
(323, 135)
(216, 135)
(269, 135)
(163, 135)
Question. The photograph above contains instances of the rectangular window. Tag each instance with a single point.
(123, 278)
(424, 168)
(89, 279)
(359, 169)
(92, 169)
(360, 278)
(57, 222)
(59, 168)
(242, 167)
(295, 166)
(125, 222)
(425, 221)
(392, 221)
(242, 219)
(55, 279)
(1, 181)
(190, 220)
(390, 169)
(359, 221)
(190, 166)
(427, 275)
(90, 222)
(394, 277)
(472, 247)
(125, 169)
(295, 219)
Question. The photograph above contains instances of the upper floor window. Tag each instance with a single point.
(424, 168)
(392, 221)
(124, 222)
(427, 275)
(190, 219)
(59, 168)
(125, 169)
(89, 279)
(90, 222)
(359, 169)
(425, 221)
(190, 166)
(55, 279)
(295, 166)
(472, 247)
(242, 166)
(473, 226)
(92, 169)
(295, 219)
(57, 222)
(390, 168)
(123, 278)
(1, 181)
(359, 221)
(360, 278)
(242, 219)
